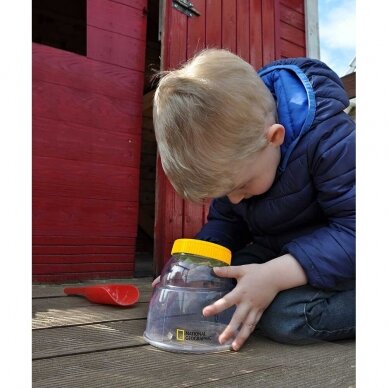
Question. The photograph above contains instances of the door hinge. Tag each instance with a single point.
(186, 7)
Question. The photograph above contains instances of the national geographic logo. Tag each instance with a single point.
(192, 335)
(180, 334)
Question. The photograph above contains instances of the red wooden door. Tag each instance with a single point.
(257, 30)
(86, 147)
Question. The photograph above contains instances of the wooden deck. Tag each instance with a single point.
(80, 344)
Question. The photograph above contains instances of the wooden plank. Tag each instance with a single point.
(139, 4)
(196, 39)
(192, 221)
(268, 30)
(87, 338)
(87, 180)
(312, 376)
(71, 301)
(61, 216)
(117, 17)
(213, 29)
(296, 5)
(173, 219)
(165, 10)
(85, 276)
(277, 7)
(64, 140)
(116, 49)
(255, 33)
(82, 240)
(176, 38)
(292, 34)
(76, 71)
(291, 50)
(229, 25)
(320, 365)
(50, 268)
(58, 259)
(40, 250)
(168, 205)
(349, 82)
(81, 107)
(292, 16)
(243, 29)
(61, 312)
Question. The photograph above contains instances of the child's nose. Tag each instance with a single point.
(235, 198)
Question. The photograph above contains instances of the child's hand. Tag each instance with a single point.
(257, 286)
(255, 290)
(156, 281)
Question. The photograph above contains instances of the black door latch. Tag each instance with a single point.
(186, 7)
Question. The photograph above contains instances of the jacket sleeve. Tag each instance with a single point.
(224, 226)
(328, 254)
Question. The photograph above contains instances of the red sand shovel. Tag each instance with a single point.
(116, 294)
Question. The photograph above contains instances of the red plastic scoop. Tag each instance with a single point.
(117, 294)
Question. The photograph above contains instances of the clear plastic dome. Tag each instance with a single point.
(175, 321)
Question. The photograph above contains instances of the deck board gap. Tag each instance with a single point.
(107, 349)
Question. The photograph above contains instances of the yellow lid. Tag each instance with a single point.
(202, 248)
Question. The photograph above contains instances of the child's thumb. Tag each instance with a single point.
(227, 272)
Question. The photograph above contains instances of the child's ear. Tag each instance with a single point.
(275, 134)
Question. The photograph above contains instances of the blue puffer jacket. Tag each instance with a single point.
(309, 211)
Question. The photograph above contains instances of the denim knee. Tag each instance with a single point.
(282, 322)
(305, 315)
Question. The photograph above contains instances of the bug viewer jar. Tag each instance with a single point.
(187, 285)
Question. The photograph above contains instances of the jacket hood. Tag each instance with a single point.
(306, 92)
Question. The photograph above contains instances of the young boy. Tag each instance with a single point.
(277, 153)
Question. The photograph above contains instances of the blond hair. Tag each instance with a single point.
(210, 115)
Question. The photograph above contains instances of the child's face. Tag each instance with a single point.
(258, 172)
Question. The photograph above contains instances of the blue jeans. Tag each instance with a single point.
(305, 314)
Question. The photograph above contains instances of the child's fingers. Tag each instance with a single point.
(155, 282)
(231, 330)
(229, 272)
(222, 304)
(246, 329)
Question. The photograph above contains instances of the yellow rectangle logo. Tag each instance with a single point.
(180, 334)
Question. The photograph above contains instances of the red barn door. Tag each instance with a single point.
(257, 30)
(86, 145)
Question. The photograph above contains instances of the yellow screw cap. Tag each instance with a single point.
(202, 248)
